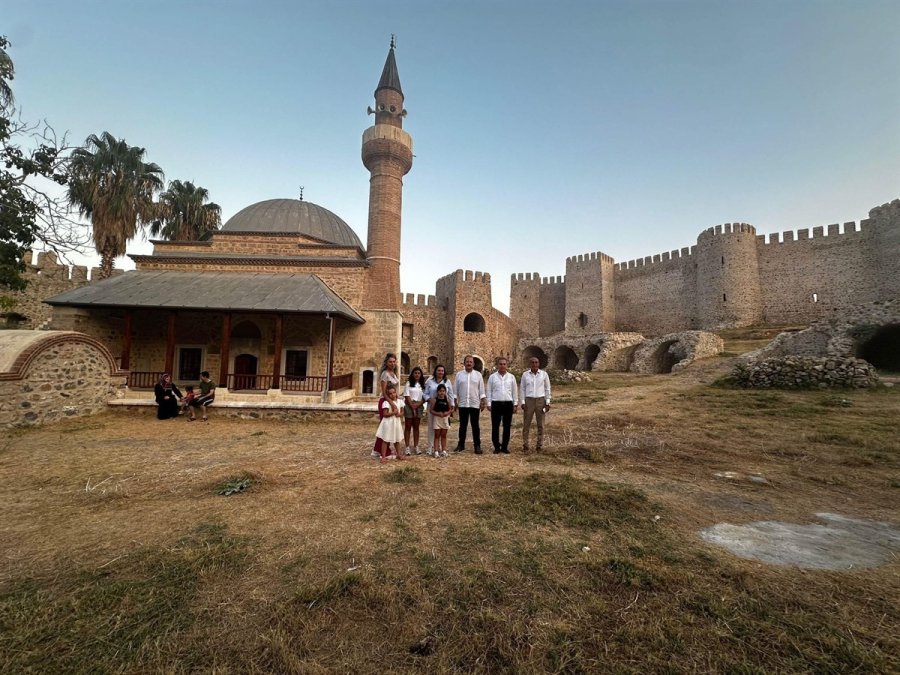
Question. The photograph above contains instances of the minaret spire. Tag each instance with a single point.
(387, 154)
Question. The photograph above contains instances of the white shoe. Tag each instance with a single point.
(375, 453)
(408, 453)
(444, 453)
(418, 451)
(429, 452)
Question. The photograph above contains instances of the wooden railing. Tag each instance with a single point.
(147, 379)
(143, 379)
(249, 382)
(342, 381)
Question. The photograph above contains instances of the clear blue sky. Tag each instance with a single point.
(541, 129)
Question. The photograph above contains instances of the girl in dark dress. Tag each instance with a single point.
(167, 395)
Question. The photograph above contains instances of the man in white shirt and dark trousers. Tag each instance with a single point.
(502, 401)
(534, 394)
(470, 401)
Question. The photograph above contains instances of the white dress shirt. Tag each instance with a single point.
(469, 389)
(502, 388)
(535, 385)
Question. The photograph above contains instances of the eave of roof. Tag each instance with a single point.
(212, 291)
(241, 259)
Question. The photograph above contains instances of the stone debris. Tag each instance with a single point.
(841, 543)
(805, 372)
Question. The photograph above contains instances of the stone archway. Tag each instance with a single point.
(882, 348)
(565, 358)
(479, 363)
(666, 355)
(534, 352)
(591, 353)
(404, 363)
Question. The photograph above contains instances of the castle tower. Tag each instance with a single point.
(729, 294)
(387, 154)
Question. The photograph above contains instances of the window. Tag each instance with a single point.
(582, 319)
(473, 323)
(407, 332)
(190, 360)
(724, 299)
(296, 362)
(815, 297)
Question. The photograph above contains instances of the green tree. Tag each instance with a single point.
(32, 167)
(183, 215)
(110, 183)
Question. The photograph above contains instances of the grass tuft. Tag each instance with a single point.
(405, 474)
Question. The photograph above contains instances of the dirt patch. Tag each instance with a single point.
(841, 543)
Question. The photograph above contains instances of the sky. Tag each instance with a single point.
(542, 130)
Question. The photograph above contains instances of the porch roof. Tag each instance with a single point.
(217, 291)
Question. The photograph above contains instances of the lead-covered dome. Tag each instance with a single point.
(293, 216)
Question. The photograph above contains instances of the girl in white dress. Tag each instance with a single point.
(390, 429)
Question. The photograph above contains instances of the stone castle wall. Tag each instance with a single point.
(45, 277)
(731, 277)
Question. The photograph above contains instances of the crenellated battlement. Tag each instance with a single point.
(589, 257)
(44, 264)
(727, 228)
(466, 276)
(668, 256)
(819, 232)
(420, 300)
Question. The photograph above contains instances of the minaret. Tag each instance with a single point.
(387, 154)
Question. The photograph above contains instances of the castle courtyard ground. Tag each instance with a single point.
(119, 555)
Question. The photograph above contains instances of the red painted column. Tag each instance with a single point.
(126, 344)
(170, 344)
(223, 352)
(276, 366)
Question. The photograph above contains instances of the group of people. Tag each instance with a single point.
(170, 402)
(438, 398)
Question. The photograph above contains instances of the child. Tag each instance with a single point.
(390, 429)
(439, 406)
(412, 411)
(185, 404)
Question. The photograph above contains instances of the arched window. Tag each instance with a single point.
(473, 323)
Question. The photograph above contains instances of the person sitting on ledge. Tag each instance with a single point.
(167, 395)
(206, 397)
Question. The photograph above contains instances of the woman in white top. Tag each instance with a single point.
(412, 411)
(387, 378)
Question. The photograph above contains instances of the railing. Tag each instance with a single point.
(315, 383)
(342, 381)
(143, 379)
(146, 379)
(238, 382)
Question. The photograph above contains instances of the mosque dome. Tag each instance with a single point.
(293, 216)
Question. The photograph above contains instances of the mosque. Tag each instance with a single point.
(290, 302)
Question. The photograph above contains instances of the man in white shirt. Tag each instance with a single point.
(502, 401)
(534, 395)
(470, 401)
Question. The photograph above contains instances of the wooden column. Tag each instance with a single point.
(223, 352)
(170, 345)
(276, 362)
(126, 343)
(329, 366)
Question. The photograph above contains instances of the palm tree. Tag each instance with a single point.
(7, 72)
(182, 214)
(110, 183)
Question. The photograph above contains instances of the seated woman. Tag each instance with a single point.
(167, 395)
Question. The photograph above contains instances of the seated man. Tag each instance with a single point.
(207, 395)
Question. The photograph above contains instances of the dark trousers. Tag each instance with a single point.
(467, 415)
(501, 411)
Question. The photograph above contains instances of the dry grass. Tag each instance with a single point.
(119, 555)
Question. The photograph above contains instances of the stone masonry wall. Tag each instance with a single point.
(45, 278)
(655, 295)
(426, 332)
(589, 299)
(64, 375)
